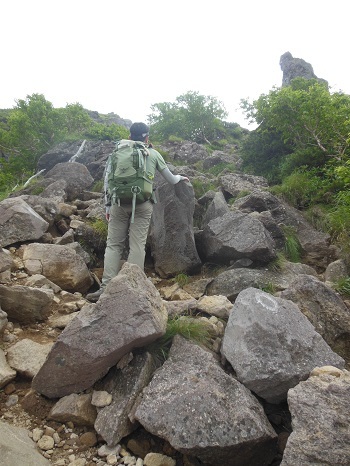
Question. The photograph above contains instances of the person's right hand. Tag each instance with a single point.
(108, 216)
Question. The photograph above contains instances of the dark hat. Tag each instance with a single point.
(139, 129)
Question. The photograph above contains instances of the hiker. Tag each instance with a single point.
(127, 216)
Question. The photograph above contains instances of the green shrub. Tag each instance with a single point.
(302, 189)
(220, 167)
(98, 186)
(268, 288)
(200, 187)
(186, 326)
(101, 226)
(292, 247)
(342, 286)
(182, 279)
(278, 264)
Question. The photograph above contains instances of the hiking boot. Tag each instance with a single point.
(93, 297)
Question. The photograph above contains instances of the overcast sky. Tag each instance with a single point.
(123, 56)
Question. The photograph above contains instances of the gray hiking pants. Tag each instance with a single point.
(118, 228)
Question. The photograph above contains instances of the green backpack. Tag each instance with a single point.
(128, 180)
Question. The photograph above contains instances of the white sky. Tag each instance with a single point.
(122, 56)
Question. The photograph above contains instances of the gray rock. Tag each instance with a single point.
(27, 356)
(7, 374)
(217, 208)
(325, 310)
(3, 321)
(60, 264)
(235, 184)
(175, 308)
(25, 304)
(76, 176)
(19, 222)
(296, 68)
(6, 261)
(215, 305)
(129, 314)
(336, 271)
(171, 232)
(231, 282)
(113, 421)
(46, 208)
(236, 235)
(320, 409)
(76, 408)
(271, 345)
(203, 412)
(17, 448)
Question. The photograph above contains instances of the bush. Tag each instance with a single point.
(292, 247)
(302, 188)
(186, 326)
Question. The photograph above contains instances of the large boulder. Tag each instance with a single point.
(325, 310)
(6, 265)
(234, 236)
(129, 314)
(19, 222)
(17, 448)
(296, 68)
(217, 208)
(26, 304)
(76, 176)
(60, 264)
(320, 409)
(271, 345)
(171, 232)
(204, 412)
(125, 384)
(234, 184)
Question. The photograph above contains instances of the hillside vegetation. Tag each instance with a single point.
(301, 144)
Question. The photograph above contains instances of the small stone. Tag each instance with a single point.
(157, 459)
(78, 462)
(56, 438)
(100, 399)
(11, 400)
(130, 460)
(46, 443)
(326, 370)
(37, 434)
(9, 389)
(105, 450)
(89, 439)
(49, 431)
(112, 459)
(60, 462)
(139, 462)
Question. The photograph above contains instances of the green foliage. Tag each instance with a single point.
(278, 263)
(292, 247)
(309, 121)
(186, 326)
(338, 219)
(101, 226)
(98, 186)
(302, 188)
(111, 132)
(200, 187)
(263, 151)
(192, 117)
(268, 288)
(34, 126)
(220, 167)
(181, 279)
(342, 286)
